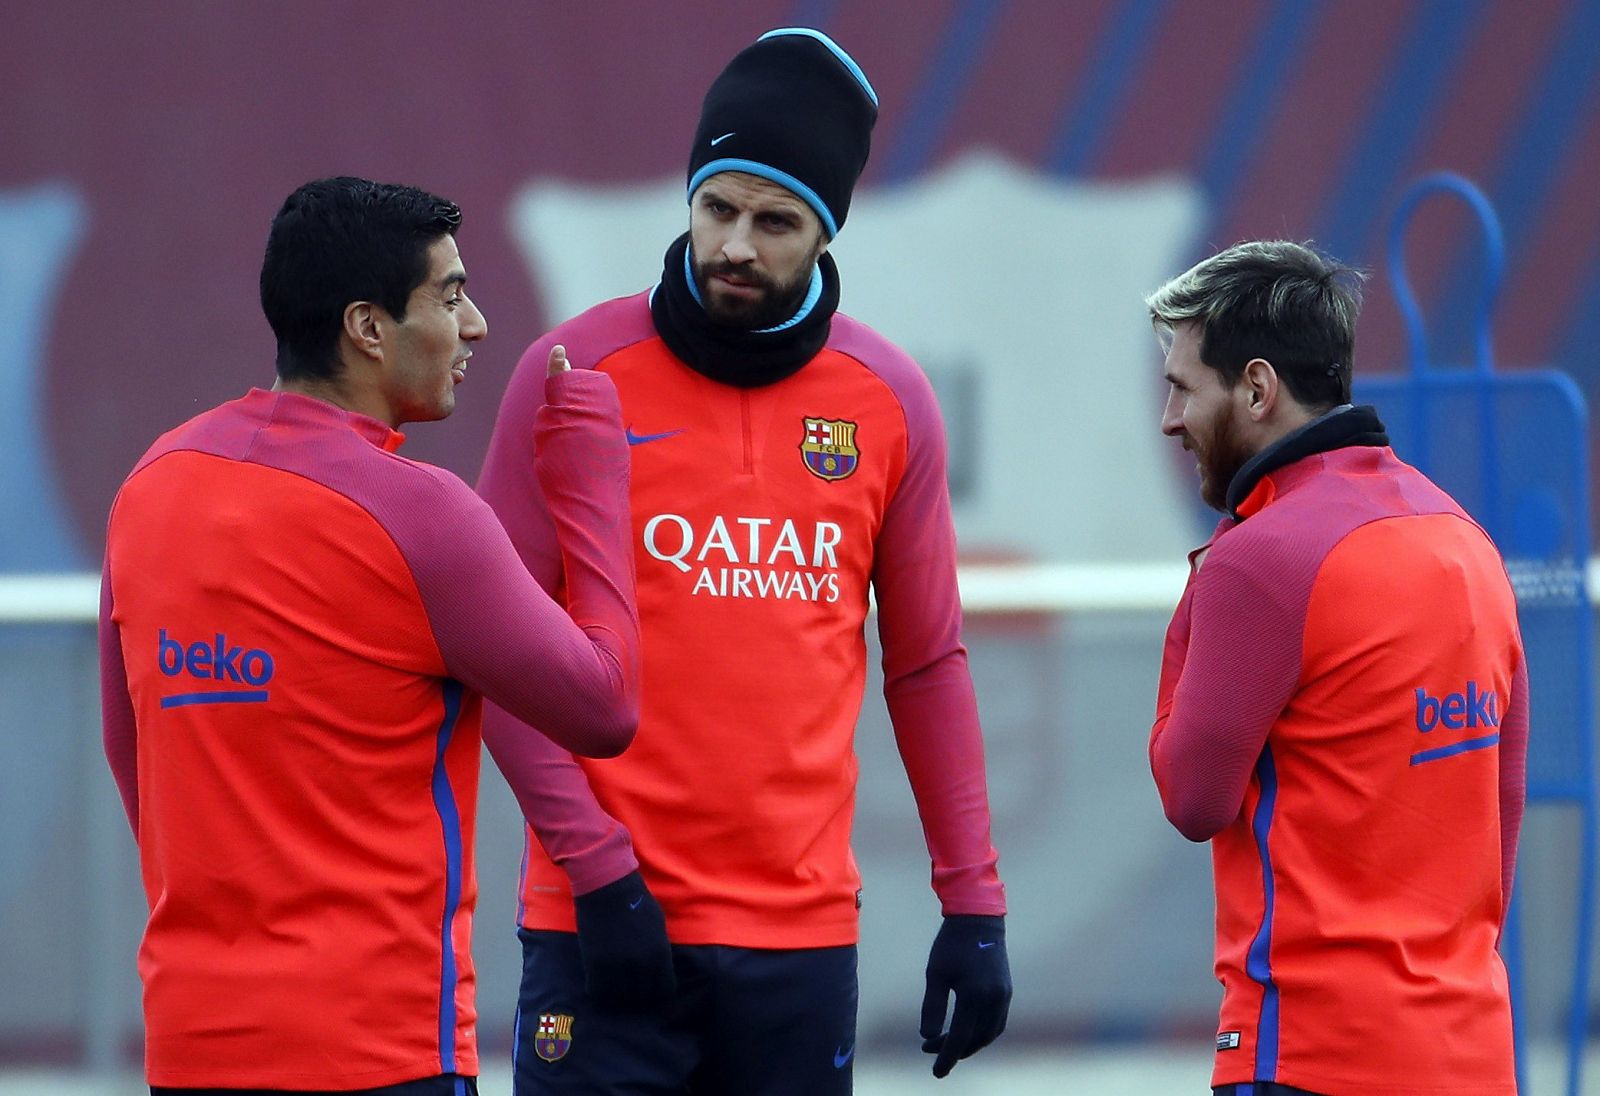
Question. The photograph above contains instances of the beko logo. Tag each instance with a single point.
(1456, 711)
(215, 661)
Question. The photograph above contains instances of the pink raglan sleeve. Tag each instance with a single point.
(117, 727)
(575, 832)
(927, 684)
(1513, 775)
(1175, 646)
(1239, 667)
(574, 677)
(1174, 652)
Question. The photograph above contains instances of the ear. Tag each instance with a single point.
(363, 329)
(1261, 388)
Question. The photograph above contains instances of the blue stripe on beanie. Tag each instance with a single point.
(849, 62)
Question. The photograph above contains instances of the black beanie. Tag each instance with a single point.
(795, 109)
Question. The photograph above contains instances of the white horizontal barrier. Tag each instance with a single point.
(985, 588)
(32, 599)
(1072, 587)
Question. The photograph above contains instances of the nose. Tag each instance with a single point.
(739, 246)
(473, 325)
(1172, 415)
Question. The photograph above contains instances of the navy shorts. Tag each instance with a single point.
(1260, 1088)
(747, 1022)
(448, 1084)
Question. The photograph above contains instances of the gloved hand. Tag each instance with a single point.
(622, 936)
(969, 958)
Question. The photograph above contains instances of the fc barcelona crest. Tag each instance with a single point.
(829, 448)
(554, 1037)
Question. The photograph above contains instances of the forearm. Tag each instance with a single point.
(551, 788)
(936, 727)
(1234, 650)
(582, 463)
(1201, 769)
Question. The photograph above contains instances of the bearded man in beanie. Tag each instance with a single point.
(690, 911)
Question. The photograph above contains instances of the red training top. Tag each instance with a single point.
(761, 515)
(1344, 712)
(296, 626)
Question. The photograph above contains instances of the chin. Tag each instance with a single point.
(733, 306)
(435, 413)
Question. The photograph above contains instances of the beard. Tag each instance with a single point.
(1219, 457)
(775, 302)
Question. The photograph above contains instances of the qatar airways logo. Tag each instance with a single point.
(749, 556)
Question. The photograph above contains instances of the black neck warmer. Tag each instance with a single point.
(746, 359)
(1340, 428)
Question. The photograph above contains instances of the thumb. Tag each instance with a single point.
(558, 361)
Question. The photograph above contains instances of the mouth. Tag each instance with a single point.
(458, 369)
(737, 286)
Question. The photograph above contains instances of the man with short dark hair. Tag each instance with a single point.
(785, 457)
(1343, 706)
(297, 629)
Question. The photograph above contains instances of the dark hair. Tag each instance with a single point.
(1272, 299)
(341, 240)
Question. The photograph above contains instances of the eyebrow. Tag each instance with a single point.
(458, 277)
(709, 194)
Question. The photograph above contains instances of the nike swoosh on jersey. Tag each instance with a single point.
(640, 439)
(841, 1058)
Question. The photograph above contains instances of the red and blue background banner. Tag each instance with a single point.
(145, 148)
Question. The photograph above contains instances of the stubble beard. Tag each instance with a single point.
(1220, 459)
(775, 304)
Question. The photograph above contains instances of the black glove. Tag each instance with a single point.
(622, 936)
(968, 957)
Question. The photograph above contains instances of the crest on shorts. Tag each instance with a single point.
(554, 1037)
(828, 447)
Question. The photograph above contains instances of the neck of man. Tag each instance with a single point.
(1341, 427)
(741, 356)
(340, 392)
